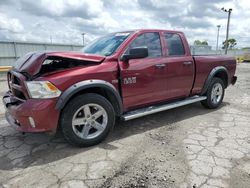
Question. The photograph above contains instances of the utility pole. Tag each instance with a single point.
(228, 22)
(83, 34)
(218, 33)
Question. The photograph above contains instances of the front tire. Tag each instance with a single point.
(87, 119)
(215, 94)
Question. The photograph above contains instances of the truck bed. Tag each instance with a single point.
(204, 65)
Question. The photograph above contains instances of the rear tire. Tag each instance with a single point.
(215, 94)
(87, 119)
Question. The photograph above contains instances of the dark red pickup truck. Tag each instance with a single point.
(125, 74)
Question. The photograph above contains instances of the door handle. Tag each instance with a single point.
(160, 66)
(187, 63)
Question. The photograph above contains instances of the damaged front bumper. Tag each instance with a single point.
(32, 115)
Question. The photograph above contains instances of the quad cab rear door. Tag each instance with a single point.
(179, 65)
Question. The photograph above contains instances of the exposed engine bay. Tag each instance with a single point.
(52, 64)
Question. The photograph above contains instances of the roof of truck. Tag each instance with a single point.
(149, 30)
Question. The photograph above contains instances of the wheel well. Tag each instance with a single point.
(103, 92)
(223, 76)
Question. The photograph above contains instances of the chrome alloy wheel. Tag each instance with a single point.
(217, 92)
(89, 121)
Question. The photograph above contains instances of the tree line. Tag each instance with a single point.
(231, 43)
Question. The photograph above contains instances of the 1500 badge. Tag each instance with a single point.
(129, 80)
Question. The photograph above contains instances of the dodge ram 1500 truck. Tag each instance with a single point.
(122, 75)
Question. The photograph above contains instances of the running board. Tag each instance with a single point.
(154, 109)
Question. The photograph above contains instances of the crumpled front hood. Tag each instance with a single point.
(32, 62)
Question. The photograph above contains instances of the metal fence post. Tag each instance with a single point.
(15, 49)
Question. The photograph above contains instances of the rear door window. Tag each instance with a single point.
(174, 44)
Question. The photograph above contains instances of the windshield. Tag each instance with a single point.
(106, 45)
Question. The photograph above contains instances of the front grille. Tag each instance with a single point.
(16, 85)
(16, 80)
(18, 94)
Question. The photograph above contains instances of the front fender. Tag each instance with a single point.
(87, 84)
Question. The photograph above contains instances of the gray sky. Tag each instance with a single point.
(65, 20)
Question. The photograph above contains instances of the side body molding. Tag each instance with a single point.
(213, 72)
(87, 84)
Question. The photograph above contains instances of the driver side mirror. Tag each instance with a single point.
(135, 53)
